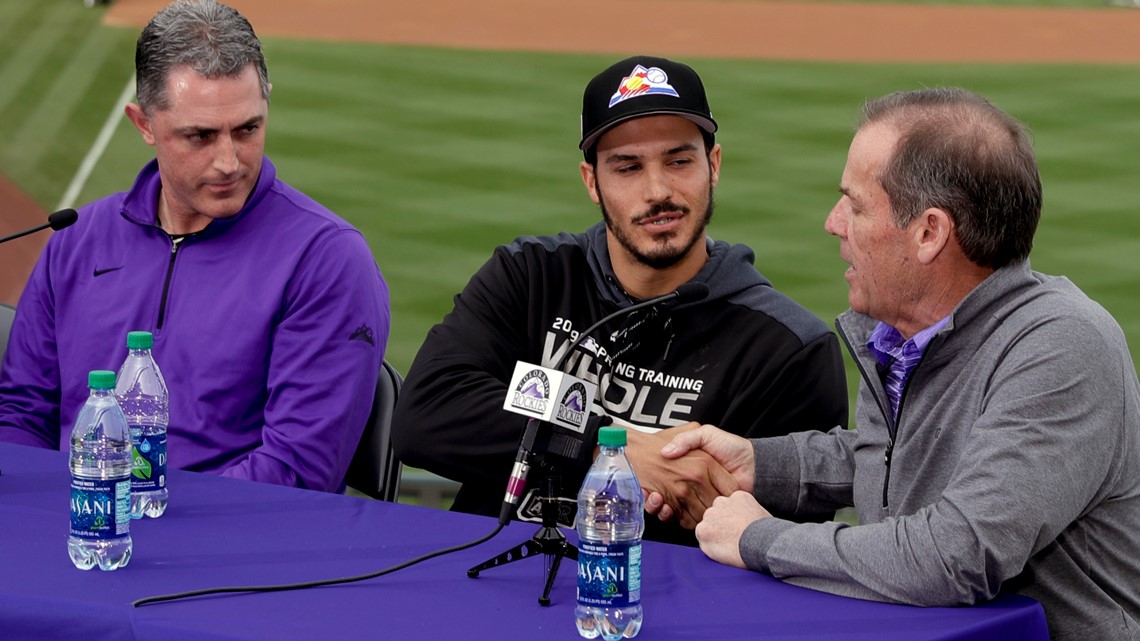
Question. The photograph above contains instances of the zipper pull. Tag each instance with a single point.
(887, 476)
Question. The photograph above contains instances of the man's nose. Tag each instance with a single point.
(226, 157)
(836, 222)
(659, 187)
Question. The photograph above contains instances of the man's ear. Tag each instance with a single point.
(590, 179)
(932, 231)
(141, 122)
(714, 165)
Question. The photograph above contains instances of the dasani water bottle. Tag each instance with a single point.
(100, 463)
(610, 523)
(141, 392)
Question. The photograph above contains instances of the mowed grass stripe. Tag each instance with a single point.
(55, 91)
(59, 105)
(13, 15)
(32, 61)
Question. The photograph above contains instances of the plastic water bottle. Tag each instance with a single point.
(141, 392)
(100, 480)
(610, 523)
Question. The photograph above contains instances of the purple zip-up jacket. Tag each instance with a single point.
(269, 327)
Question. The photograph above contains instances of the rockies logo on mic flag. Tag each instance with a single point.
(550, 395)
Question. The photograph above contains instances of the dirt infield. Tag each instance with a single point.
(18, 256)
(718, 28)
(815, 31)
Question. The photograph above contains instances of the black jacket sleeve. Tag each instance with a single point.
(808, 393)
(449, 418)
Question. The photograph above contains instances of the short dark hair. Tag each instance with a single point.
(211, 38)
(958, 152)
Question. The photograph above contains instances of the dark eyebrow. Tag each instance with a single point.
(256, 120)
(679, 149)
(252, 122)
(189, 131)
(620, 158)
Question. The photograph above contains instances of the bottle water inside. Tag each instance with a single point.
(141, 392)
(100, 461)
(611, 521)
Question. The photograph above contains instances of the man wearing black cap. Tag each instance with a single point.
(745, 357)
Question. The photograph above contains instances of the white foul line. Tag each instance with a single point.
(96, 151)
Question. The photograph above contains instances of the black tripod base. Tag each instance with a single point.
(548, 541)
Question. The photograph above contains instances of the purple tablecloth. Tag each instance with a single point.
(221, 532)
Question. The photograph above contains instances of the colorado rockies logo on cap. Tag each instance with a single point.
(643, 81)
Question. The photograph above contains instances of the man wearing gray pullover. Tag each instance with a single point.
(997, 439)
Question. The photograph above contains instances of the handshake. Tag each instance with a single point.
(702, 476)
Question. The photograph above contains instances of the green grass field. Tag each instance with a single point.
(439, 155)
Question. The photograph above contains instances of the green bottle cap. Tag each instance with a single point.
(140, 340)
(101, 379)
(611, 436)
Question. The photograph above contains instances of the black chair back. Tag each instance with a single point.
(7, 315)
(374, 470)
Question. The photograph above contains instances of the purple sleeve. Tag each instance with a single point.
(29, 376)
(325, 359)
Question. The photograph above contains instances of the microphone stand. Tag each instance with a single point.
(548, 540)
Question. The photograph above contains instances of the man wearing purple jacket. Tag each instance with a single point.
(269, 313)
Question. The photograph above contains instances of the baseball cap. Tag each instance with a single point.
(642, 86)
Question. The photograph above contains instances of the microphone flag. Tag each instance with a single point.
(550, 395)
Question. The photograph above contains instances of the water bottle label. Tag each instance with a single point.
(609, 574)
(148, 461)
(100, 509)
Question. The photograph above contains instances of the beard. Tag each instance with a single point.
(665, 253)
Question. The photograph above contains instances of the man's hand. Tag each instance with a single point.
(733, 452)
(724, 523)
(688, 484)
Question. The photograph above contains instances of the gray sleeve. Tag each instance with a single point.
(1040, 448)
(805, 472)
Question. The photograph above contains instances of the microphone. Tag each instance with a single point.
(529, 394)
(543, 395)
(56, 221)
(688, 293)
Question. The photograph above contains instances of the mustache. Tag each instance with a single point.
(660, 208)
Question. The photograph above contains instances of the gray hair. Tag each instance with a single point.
(207, 36)
(958, 152)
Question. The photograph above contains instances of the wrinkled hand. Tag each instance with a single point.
(724, 523)
(733, 452)
(687, 484)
